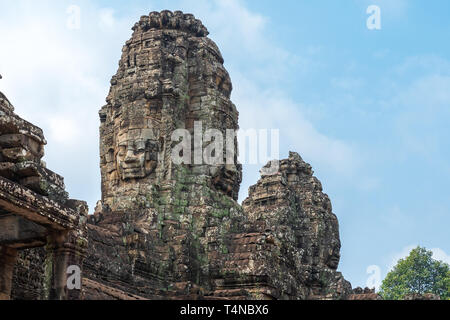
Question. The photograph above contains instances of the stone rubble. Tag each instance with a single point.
(364, 294)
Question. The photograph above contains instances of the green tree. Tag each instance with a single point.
(418, 273)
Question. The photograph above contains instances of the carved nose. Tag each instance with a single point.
(129, 157)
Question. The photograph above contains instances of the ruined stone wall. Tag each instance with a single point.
(364, 294)
(292, 206)
(289, 247)
(29, 275)
(21, 146)
(27, 182)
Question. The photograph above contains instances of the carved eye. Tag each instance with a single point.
(139, 147)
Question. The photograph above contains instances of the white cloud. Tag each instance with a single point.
(273, 109)
(107, 18)
(64, 130)
(438, 254)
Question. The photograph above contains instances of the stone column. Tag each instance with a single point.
(8, 257)
(65, 255)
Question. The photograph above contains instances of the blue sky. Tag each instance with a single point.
(369, 109)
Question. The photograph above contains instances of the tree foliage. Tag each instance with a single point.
(418, 273)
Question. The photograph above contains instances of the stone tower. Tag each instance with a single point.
(170, 76)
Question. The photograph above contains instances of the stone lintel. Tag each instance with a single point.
(23, 202)
(20, 233)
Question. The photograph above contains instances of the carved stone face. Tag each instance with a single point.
(334, 257)
(137, 154)
(226, 178)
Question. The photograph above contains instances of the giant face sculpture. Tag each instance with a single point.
(334, 256)
(227, 179)
(137, 154)
(169, 76)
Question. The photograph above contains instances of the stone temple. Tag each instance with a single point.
(164, 230)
